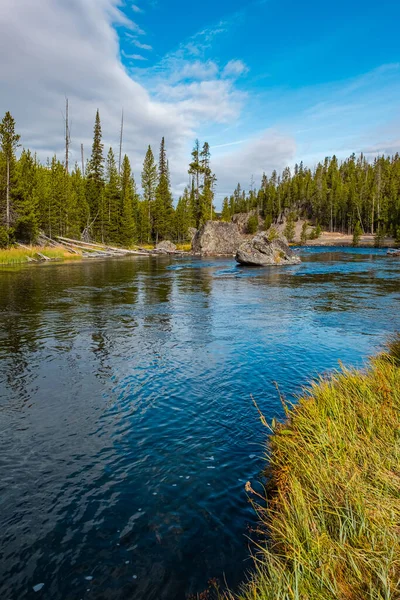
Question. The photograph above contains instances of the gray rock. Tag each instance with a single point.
(261, 251)
(165, 247)
(216, 237)
(192, 232)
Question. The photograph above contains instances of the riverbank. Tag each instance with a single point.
(331, 519)
(35, 254)
(341, 239)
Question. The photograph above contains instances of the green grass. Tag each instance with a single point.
(330, 518)
(17, 256)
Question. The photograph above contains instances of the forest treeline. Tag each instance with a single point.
(343, 197)
(100, 198)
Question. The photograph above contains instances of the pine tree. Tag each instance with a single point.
(112, 198)
(128, 201)
(163, 209)
(357, 234)
(206, 208)
(183, 217)
(24, 199)
(226, 213)
(149, 184)
(95, 180)
(9, 141)
(195, 172)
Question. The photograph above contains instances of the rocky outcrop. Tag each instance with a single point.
(260, 251)
(216, 237)
(165, 247)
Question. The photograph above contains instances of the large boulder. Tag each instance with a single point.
(216, 237)
(261, 251)
(165, 247)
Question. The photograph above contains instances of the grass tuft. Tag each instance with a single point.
(17, 256)
(332, 520)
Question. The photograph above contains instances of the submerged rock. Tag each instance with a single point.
(262, 251)
(216, 237)
(165, 247)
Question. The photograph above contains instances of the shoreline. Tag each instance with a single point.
(331, 511)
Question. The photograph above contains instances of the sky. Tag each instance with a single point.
(267, 83)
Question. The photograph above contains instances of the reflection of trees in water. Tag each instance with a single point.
(21, 302)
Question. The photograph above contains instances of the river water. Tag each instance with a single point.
(127, 429)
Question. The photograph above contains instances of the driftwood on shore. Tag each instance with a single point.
(93, 249)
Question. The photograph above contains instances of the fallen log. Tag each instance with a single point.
(42, 256)
(103, 247)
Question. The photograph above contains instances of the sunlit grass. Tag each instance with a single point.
(331, 518)
(17, 256)
(186, 247)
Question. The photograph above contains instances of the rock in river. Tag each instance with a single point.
(262, 251)
(216, 237)
(165, 247)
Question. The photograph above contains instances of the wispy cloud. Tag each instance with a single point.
(234, 68)
(142, 46)
(136, 8)
(133, 56)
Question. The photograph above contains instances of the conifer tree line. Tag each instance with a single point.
(99, 200)
(101, 197)
(335, 196)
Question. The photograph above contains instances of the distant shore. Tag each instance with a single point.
(343, 239)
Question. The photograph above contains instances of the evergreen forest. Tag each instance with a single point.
(100, 198)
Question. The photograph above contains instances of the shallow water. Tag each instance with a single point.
(127, 429)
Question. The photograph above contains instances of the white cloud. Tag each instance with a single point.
(271, 150)
(133, 56)
(234, 68)
(142, 46)
(72, 49)
(136, 8)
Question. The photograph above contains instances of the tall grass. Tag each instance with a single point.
(331, 517)
(17, 256)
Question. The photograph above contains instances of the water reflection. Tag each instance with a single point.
(126, 425)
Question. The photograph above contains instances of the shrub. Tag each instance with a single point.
(304, 234)
(268, 222)
(289, 231)
(273, 234)
(4, 239)
(252, 224)
(357, 234)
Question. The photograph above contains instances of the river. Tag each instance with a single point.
(127, 429)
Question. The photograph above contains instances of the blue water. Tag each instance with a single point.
(127, 429)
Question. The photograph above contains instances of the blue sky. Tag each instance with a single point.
(267, 83)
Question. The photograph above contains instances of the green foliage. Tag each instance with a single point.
(226, 212)
(357, 234)
(289, 231)
(397, 237)
(4, 239)
(379, 236)
(267, 222)
(273, 234)
(252, 224)
(127, 231)
(304, 233)
(333, 510)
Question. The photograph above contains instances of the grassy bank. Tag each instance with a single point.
(18, 256)
(332, 518)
